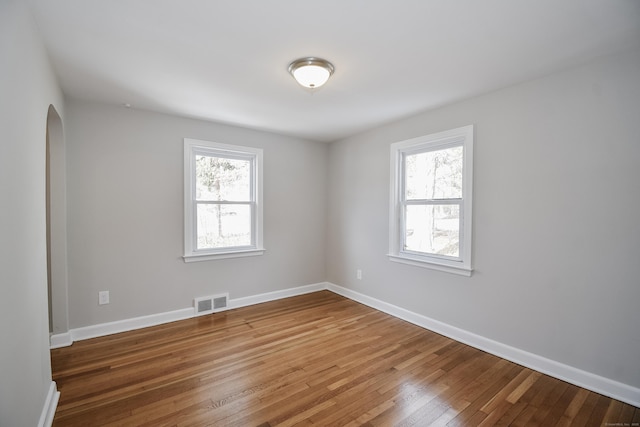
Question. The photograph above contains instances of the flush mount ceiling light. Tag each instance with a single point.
(311, 72)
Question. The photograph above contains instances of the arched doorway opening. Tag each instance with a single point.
(56, 202)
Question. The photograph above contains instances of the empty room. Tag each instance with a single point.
(289, 213)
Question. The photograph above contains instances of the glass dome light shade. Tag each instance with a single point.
(311, 72)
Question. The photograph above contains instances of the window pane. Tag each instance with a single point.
(220, 226)
(219, 178)
(434, 174)
(433, 229)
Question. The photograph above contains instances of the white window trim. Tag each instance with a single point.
(460, 136)
(192, 146)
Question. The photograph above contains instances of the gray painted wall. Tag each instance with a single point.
(556, 218)
(125, 214)
(27, 87)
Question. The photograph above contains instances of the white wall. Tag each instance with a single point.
(556, 219)
(125, 214)
(27, 88)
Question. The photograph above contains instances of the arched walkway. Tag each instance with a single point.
(56, 225)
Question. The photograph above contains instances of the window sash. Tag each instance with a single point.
(435, 202)
(223, 155)
(193, 149)
(443, 145)
(222, 249)
(404, 201)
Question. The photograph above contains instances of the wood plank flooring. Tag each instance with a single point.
(317, 359)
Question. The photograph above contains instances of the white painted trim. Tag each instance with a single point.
(454, 269)
(590, 381)
(223, 255)
(276, 295)
(462, 136)
(584, 379)
(125, 325)
(256, 155)
(103, 329)
(60, 340)
(50, 405)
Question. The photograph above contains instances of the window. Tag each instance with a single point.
(431, 192)
(222, 201)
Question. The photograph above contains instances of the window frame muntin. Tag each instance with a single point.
(194, 147)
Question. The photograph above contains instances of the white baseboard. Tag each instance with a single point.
(602, 385)
(130, 324)
(50, 405)
(276, 295)
(584, 379)
(103, 329)
(60, 340)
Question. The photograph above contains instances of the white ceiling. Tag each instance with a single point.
(226, 61)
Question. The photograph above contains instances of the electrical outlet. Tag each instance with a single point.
(359, 274)
(103, 297)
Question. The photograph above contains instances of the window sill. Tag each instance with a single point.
(433, 265)
(223, 255)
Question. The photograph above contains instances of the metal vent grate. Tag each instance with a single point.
(204, 305)
(220, 302)
(210, 304)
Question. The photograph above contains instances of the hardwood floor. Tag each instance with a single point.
(316, 359)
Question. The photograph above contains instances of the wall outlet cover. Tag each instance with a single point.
(103, 297)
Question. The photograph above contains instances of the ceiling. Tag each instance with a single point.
(226, 61)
